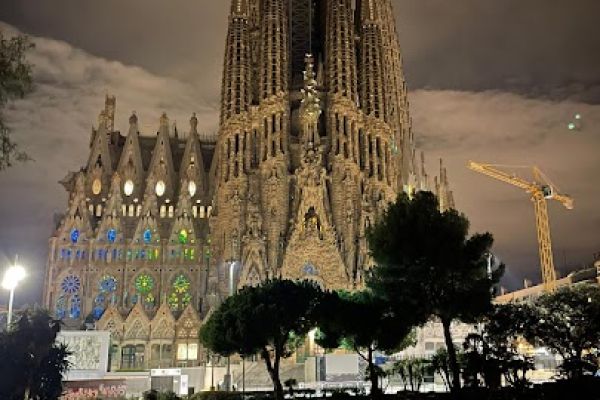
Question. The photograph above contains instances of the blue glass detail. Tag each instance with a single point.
(71, 284)
(147, 236)
(97, 313)
(108, 284)
(75, 307)
(74, 236)
(100, 299)
(134, 299)
(111, 235)
(309, 269)
(61, 313)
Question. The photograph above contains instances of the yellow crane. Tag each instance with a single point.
(541, 189)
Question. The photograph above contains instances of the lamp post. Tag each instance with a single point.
(12, 277)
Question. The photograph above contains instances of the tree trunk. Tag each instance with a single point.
(375, 391)
(273, 370)
(455, 371)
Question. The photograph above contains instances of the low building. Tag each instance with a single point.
(590, 275)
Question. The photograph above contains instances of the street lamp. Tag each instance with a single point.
(12, 277)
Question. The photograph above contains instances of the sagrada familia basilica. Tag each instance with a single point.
(315, 139)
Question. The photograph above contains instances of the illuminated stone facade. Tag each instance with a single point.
(314, 140)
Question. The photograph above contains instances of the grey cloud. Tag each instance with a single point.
(529, 47)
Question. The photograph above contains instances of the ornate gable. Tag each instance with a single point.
(192, 164)
(110, 227)
(188, 324)
(111, 321)
(161, 166)
(130, 167)
(76, 226)
(163, 324)
(100, 154)
(137, 324)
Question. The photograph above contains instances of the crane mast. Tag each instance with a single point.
(540, 190)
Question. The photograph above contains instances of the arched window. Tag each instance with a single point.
(180, 295)
(144, 286)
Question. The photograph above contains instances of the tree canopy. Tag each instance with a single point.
(32, 363)
(266, 320)
(362, 322)
(427, 260)
(493, 353)
(15, 82)
(568, 323)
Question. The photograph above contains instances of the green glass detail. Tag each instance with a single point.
(144, 283)
(173, 301)
(183, 236)
(181, 284)
(180, 296)
(186, 299)
(149, 299)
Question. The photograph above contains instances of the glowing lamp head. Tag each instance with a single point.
(13, 276)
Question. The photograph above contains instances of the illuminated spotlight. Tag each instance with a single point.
(578, 117)
(572, 126)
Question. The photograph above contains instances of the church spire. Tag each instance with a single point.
(372, 60)
(236, 89)
(341, 49)
(274, 51)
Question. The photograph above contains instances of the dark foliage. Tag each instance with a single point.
(32, 363)
(376, 331)
(15, 82)
(492, 353)
(568, 323)
(268, 320)
(427, 263)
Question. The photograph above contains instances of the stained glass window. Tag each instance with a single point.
(183, 236)
(149, 300)
(147, 236)
(100, 299)
(111, 235)
(75, 236)
(71, 284)
(180, 296)
(97, 313)
(61, 311)
(181, 284)
(144, 283)
(75, 307)
(108, 284)
(309, 269)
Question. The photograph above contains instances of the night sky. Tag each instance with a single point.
(493, 81)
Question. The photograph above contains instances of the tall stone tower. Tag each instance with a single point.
(315, 139)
